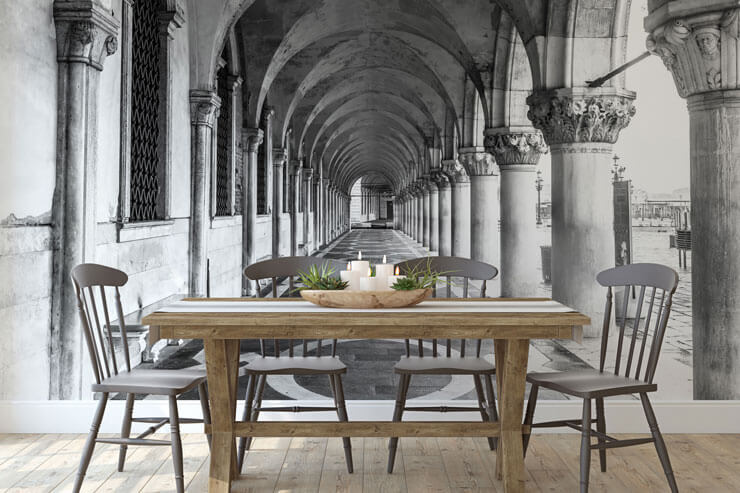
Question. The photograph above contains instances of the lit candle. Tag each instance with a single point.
(392, 279)
(352, 277)
(382, 272)
(368, 283)
(360, 265)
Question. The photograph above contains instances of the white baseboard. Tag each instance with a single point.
(621, 416)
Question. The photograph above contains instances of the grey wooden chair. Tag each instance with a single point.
(275, 364)
(90, 282)
(634, 368)
(436, 364)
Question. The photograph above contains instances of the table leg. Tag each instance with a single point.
(512, 406)
(499, 346)
(232, 351)
(222, 417)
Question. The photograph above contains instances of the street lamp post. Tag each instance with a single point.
(538, 184)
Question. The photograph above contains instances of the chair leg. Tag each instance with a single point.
(125, 429)
(403, 387)
(205, 408)
(90, 442)
(342, 412)
(246, 416)
(659, 443)
(482, 406)
(529, 415)
(176, 445)
(601, 428)
(492, 413)
(257, 403)
(585, 445)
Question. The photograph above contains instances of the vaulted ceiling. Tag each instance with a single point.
(388, 88)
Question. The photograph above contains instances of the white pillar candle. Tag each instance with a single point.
(359, 265)
(382, 271)
(391, 280)
(352, 277)
(368, 284)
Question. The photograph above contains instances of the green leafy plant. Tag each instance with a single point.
(420, 276)
(321, 278)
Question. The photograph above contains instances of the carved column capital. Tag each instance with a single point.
(254, 138)
(515, 147)
(581, 114)
(204, 107)
(477, 161)
(698, 46)
(455, 171)
(279, 156)
(440, 178)
(86, 33)
(307, 174)
(295, 167)
(171, 17)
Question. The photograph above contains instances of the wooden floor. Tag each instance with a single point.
(48, 463)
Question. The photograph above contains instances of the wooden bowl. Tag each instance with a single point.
(365, 299)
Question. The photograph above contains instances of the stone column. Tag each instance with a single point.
(433, 214)
(317, 212)
(325, 212)
(460, 191)
(294, 190)
(517, 151)
(701, 48)
(86, 35)
(251, 141)
(427, 212)
(204, 107)
(307, 200)
(445, 213)
(484, 204)
(279, 159)
(580, 125)
(420, 212)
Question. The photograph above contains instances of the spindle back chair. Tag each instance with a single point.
(635, 360)
(275, 364)
(93, 284)
(423, 363)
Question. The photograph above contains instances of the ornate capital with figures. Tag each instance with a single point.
(696, 45)
(279, 156)
(86, 33)
(581, 114)
(515, 147)
(204, 106)
(477, 161)
(440, 178)
(455, 171)
(253, 138)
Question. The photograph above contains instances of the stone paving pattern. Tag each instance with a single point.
(370, 363)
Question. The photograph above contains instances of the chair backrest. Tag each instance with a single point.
(653, 285)
(289, 267)
(90, 282)
(453, 267)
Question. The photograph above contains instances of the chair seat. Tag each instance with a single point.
(443, 365)
(590, 383)
(297, 365)
(158, 382)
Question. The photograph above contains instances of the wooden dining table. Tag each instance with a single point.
(222, 322)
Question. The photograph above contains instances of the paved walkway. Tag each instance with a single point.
(370, 374)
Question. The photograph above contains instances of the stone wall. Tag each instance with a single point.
(263, 238)
(28, 97)
(225, 256)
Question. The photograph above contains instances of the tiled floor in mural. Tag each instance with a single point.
(370, 363)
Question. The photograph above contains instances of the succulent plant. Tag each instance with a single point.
(321, 279)
(420, 277)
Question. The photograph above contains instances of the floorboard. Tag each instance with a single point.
(42, 463)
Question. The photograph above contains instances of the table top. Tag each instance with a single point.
(246, 318)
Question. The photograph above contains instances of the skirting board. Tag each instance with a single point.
(621, 416)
